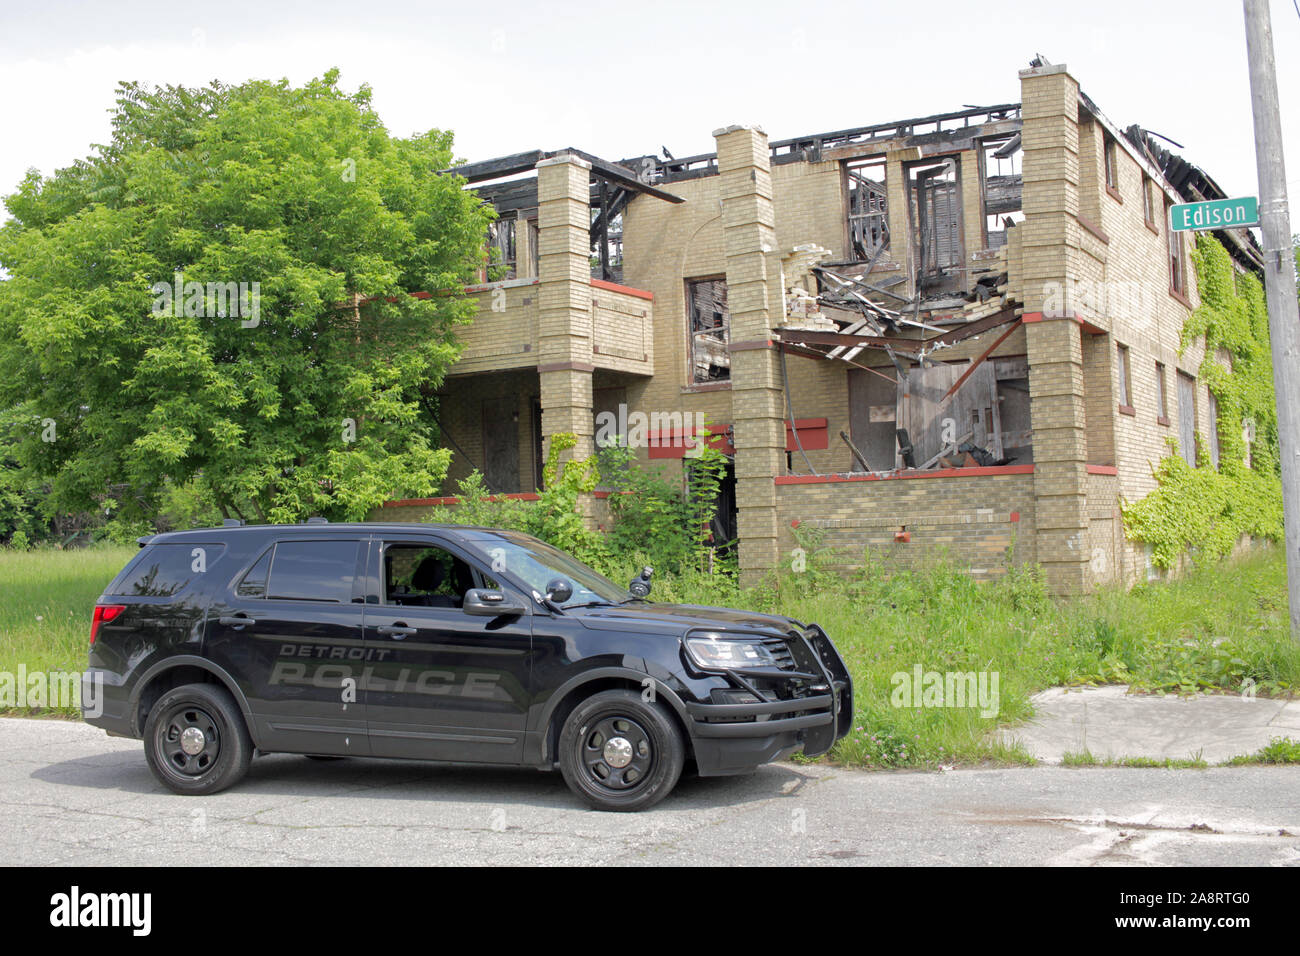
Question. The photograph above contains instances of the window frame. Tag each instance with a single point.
(689, 286)
(1162, 394)
(1124, 372)
(1176, 260)
(1149, 203)
(1110, 166)
(358, 571)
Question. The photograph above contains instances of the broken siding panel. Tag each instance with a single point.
(971, 414)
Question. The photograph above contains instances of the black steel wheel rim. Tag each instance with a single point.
(170, 738)
(601, 750)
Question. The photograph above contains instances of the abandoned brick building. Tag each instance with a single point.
(958, 331)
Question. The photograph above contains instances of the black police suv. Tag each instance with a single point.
(447, 643)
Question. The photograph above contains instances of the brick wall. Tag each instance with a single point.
(972, 518)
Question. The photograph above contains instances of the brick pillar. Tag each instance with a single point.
(564, 300)
(900, 219)
(754, 299)
(1051, 256)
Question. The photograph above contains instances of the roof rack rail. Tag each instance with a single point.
(232, 522)
(317, 519)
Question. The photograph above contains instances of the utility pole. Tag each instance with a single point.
(1279, 280)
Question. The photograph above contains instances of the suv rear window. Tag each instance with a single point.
(162, 570)
(313, 571)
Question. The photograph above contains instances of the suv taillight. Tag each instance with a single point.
(103, 614)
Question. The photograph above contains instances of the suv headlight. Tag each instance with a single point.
(714, 652)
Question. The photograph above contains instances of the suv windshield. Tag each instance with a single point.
(537, 564)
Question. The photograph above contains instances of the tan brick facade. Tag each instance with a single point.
(1087, 264)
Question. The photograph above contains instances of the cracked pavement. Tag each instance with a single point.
(69, 794)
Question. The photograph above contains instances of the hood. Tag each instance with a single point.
(678, 618)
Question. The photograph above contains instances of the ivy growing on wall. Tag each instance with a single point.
(1201, 510)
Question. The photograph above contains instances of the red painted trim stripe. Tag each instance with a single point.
(454, 500)
(1102, 470)
(903, 475)
(625, 289)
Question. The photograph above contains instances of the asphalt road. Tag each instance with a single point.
(71, 795)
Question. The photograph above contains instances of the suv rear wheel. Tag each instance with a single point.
(195, 740)
(618, 752)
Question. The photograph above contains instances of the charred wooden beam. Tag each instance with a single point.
(978, 327)
(977, 363)
(846, 341)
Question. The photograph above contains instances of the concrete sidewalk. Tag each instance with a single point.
(1108, 722)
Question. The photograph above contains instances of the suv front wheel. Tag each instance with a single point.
(618, 752)
(195, 740)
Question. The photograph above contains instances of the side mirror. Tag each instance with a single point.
(640, 586)
(559, 591)
(482, 602)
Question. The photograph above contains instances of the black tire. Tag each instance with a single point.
(225, 746)
(615, 726)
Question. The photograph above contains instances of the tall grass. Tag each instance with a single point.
(1222, 627)
(46, 597)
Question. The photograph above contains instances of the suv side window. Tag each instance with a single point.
(163, 570)
(254, 582)
(312, 571)
(423, 575)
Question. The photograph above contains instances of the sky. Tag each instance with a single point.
(626, 79)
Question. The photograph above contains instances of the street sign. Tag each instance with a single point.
(1215, 214)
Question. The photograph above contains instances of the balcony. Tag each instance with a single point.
(620, 328)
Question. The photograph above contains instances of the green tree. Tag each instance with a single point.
(299, 392)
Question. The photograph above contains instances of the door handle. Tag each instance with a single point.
(398, 630)
(237, 620)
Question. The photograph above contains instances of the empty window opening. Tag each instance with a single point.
(501, 250)
(710, 330)
(868, 217)
(1002, 185)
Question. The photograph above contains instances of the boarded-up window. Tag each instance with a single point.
(935, 190)
(710, 330)
(1187, 417)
